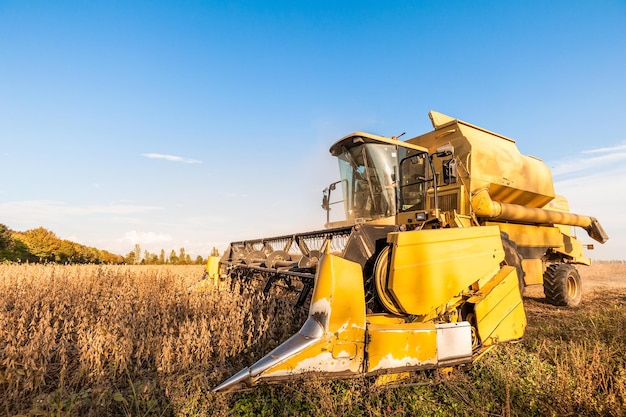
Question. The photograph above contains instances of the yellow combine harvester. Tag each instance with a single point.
(442, 233)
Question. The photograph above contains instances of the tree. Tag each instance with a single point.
(137, 253)
(41, 243)
(130, 258)
(150, 258)
(68, 252)
(162, 257)
(88, 255)
(18, 252)
(6, 238)
(181, 257)
(173, 258)
(199, 260)
(111, 258)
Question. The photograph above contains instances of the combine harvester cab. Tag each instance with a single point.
(442, 233)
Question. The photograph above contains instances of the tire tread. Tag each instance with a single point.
(555, 284)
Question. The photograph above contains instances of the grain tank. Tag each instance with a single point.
(485, 180)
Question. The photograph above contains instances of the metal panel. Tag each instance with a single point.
(429, 267)
(454, 341)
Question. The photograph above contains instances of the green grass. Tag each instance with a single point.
(571, 362)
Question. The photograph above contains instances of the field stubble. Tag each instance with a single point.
(132, 340)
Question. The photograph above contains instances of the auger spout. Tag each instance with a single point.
(483, 205)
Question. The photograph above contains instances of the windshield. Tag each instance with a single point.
(368, 172)
(414, 174)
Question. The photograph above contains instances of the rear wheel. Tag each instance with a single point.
(562, 285)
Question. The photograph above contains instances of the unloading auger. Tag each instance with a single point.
(442, 233)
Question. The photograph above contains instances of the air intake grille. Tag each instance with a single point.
(447, 202)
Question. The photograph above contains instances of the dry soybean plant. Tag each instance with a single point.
(133, 340)
(107, 330)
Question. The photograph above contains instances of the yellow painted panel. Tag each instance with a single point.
(572, 247)
(429, 267)
(382, 318)
(510, 176)
(212, 266)
(321, 357)
(338, 307)
(531, 236)
(533, 269)
(345, 350)
(489, 283)
(494, 162)
(338, 297)
(401, 346)
(500, 314)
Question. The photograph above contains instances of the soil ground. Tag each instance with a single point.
(604, 285)
(597, 279)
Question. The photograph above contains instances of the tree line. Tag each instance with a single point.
(41, 245)
(137, 256)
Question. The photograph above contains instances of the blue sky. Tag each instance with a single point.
(191, 124)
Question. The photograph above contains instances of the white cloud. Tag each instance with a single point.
(148, 238)
(61, 217)
(590, 161)
(153, 242)
(172, 158)
(621, 147)
(51, 207)
(119, 227)
(593, 182)
(234, 195)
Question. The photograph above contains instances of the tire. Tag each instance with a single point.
(513, 258)
(562, 285)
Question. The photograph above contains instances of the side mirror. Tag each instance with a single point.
(326, 197)
(325, 202)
